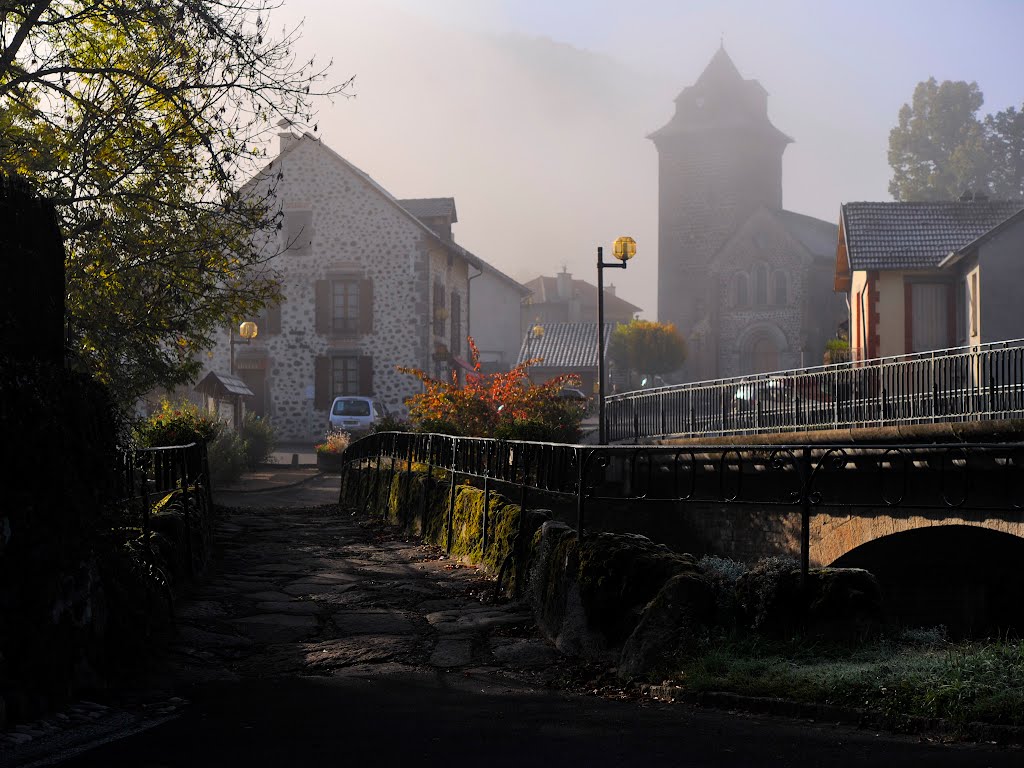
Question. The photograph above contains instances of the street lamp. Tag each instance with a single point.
(248, 331)
(623, 250)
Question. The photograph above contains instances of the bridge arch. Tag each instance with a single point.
(966, 577)
(834, 534)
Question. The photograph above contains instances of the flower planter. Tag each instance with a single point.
(328, 462)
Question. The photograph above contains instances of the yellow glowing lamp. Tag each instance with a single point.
(248, 330)
(624, 248)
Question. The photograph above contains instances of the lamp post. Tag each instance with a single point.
(623, 250)
(248, 331)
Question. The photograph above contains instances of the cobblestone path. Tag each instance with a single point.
(298, 591)
(298, 588)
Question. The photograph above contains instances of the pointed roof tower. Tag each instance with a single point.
(721, 99)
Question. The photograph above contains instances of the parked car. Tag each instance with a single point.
(769, 392)
(354, 413)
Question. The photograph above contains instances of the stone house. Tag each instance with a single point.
(563, 299)
(367, 286)
(746, 282)
(921, 276)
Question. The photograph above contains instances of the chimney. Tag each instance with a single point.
(285, 136)
(609, 290)
(564, 285)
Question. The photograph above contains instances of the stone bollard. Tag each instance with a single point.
(295, 459)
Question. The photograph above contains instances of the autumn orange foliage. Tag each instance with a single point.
(502, 405)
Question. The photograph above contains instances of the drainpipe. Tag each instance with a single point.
(469, 298)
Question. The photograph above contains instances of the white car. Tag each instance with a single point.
(353, 413)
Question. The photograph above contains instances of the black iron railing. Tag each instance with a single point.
(981, 478)
(952, 385)
(178, 476)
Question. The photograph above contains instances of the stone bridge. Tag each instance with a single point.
(942, 527)
(930, 520)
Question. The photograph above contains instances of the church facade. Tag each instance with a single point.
(747, 282)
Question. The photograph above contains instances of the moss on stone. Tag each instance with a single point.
(401, 502)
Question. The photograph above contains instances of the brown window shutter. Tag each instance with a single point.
(366, 375)
(323, 306)
(273, 320)
(322, 393)
(366, 306)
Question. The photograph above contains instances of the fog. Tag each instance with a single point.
(534, 115)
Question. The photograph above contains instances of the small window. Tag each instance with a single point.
(298, 231)
(761, 285)
(974, 304)
(345, 381)
(741, 291)
(780, 295)
(440, 314)
(345, 306)
(456, 324)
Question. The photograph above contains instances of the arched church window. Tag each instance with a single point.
(780, 294)
(740, 291)
(761, 284)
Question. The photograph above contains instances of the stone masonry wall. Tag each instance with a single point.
(357, 232)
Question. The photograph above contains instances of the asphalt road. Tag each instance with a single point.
(428, 718)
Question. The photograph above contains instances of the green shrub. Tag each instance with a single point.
(177, 424)
(391, 424)
(259, 437)
(227, 454)
(526, 429)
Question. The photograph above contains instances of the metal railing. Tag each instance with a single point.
(148, 479)
(951, 385)
(982, 478)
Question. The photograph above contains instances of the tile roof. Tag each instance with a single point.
(565, 345)
(545, 289)
(430, 207)
(917, 235)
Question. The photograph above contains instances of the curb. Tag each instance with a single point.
(1002, 735)
(271, 488)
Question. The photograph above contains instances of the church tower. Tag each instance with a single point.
(719, 160)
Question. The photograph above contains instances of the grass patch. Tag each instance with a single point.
(916, 673)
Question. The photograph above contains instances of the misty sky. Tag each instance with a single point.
(534, 114)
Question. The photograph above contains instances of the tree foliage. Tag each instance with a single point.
(940, 148)
(140, 119)
(502, 405)
(645, 346)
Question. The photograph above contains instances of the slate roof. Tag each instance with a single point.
(565, 345)
(720, 82)
(816, 235)
(431, 207)
(223, 384)
(917, 235)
